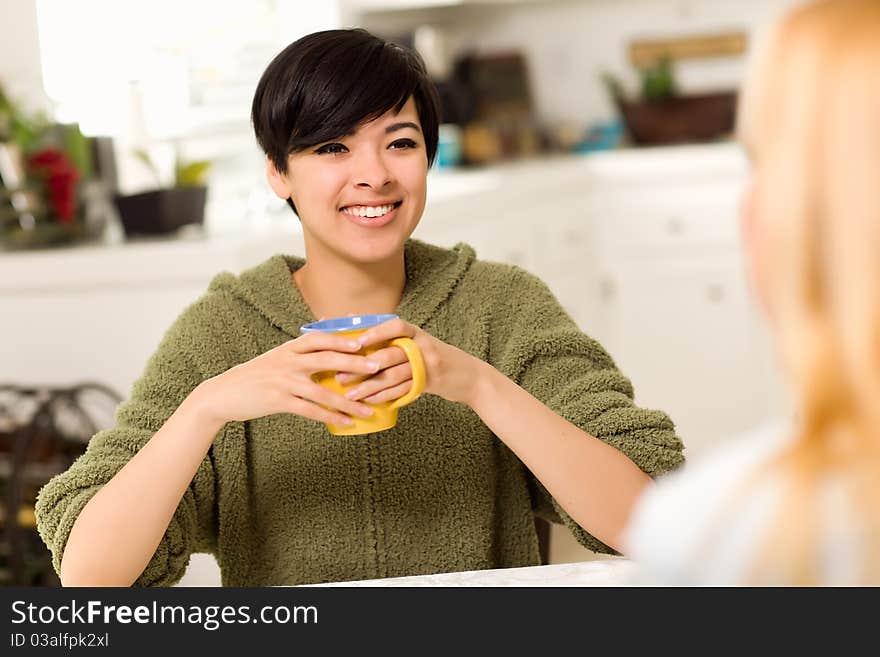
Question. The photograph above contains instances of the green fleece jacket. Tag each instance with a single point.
(278, 500)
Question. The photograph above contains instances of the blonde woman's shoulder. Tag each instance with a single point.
(670, 521)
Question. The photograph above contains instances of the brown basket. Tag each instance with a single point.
(696, 118)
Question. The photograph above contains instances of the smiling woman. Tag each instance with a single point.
(321, 109)
(344, 191)
(523, 415)
(348, 163)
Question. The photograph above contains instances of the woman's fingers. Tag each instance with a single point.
(311, 342)
(386, 358)
(322, 361)
(394, 328)
(389, 378)
(347, 378)
(389, 394)
(312, 411)
(389, 356)
(320, 352)
(317, 393)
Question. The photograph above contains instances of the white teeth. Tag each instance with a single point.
(368, 210)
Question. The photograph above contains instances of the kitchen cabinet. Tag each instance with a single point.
(642, 249)
(674, 305)
(535, 216)
(96, 313)
(686, 334)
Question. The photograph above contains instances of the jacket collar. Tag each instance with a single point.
(432, 273)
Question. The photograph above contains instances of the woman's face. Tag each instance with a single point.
(361, 196)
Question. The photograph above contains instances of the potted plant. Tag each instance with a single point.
(662, 115)
(166, 209)
(44, 171)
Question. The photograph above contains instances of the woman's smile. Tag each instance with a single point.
(371, 216)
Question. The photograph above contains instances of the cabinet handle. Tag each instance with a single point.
(607, 289)
(715, 292)
(573, 237)
(675, 226)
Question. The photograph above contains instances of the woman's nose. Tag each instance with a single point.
(371, 171)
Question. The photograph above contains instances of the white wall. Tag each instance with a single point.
(20, 72)
(568, 43)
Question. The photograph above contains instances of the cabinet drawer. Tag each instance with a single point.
(666, 220)
(568, 238)
(671, 229)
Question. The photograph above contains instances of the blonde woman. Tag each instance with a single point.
(798, 504)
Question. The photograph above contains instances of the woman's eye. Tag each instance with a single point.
(331, 148)
(403, 143)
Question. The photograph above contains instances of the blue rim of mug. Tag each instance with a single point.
(341, 324)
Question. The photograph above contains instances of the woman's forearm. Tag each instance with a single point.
(595, 483)
(118, 531)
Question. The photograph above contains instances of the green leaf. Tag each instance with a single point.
(191, 174)
(658, 80)
(612, 86)
(17, 126)
(144, 157)
(77, 148)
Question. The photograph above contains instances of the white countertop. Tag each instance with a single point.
(198, 254)
(613, 571)
(624, 165)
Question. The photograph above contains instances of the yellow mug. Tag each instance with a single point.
(384, 413)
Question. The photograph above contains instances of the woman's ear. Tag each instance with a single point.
(277, 180)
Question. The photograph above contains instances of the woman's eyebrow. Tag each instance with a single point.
(400, 126)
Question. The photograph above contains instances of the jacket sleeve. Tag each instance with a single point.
(542, 349)
(170, 375)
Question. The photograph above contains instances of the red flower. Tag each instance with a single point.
(61, 179)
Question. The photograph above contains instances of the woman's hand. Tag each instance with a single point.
(280, 381)
(450, 372)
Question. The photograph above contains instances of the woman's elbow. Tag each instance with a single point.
(78, 575)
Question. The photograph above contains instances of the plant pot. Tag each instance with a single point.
(161, 211)
(697, 118)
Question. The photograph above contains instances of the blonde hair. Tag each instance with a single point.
(810, 117)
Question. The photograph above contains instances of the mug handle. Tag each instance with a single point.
(417, 364)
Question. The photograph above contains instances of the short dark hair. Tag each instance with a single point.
(325, 84)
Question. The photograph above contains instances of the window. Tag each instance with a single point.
(171, 74)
